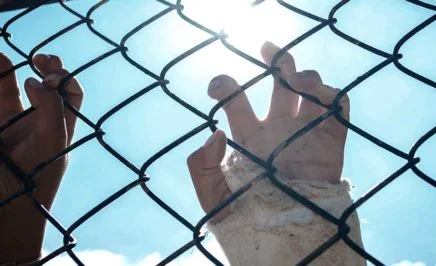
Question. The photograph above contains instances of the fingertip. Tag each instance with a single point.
(193, 159)
(221, 87)
(8, 79)
(35, 87)
(221, 136)
(31, 86)
(269, 46)
(33, 83)
(41, 59)
(47, 63)
(5, 63)
(55, 62)
(269, 43)
(218, 135)
(268, 50)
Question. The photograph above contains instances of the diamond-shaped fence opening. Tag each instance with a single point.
(207, 119)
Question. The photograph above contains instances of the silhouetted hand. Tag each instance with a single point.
(317, 155)
(34, 139)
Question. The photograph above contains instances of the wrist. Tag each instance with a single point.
(20, 251)
(21, 236)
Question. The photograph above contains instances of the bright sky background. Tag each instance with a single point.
(397, 223)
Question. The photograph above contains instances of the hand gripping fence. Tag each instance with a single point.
(69, 241)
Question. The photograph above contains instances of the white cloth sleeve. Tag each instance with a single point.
(268, 227)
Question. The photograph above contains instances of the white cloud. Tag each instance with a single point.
(104, 257)
(409, 263)
(107, 258)
(90, 257)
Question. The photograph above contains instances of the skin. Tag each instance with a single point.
(317, 155)
(35, 138)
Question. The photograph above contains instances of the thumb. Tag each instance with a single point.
(209, 181)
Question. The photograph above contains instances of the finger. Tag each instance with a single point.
(48, 138)
(73, 93)
(49, 108)
(241, 117)
(309, 82)
(10, 102)
(51, 68)
(46, 63)
(332, 125)
(208, 178)
(284, 102)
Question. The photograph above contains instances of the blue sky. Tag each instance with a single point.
(398, 223)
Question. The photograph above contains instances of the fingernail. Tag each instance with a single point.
(215, 83)
(51, 79)
(34, 83)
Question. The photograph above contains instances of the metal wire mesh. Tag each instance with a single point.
(411, 162)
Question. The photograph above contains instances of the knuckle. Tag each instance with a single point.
(69, 80)
(312, 75)
(70, 83)
(61, 72)
(286, 59)
(305, 80)
(286, 64)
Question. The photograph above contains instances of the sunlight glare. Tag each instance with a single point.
(247, 27)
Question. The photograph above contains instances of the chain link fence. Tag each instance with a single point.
(394, 57)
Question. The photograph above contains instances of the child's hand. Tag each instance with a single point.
(316, 155)
(34, 139)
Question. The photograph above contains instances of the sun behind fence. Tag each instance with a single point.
(394, 57)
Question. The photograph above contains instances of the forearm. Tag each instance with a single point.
(21, 224)
(21, 234)
(268, 227)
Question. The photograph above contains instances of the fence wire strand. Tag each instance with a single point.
(70, 242)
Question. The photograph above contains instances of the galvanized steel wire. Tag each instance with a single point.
(69, 241)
